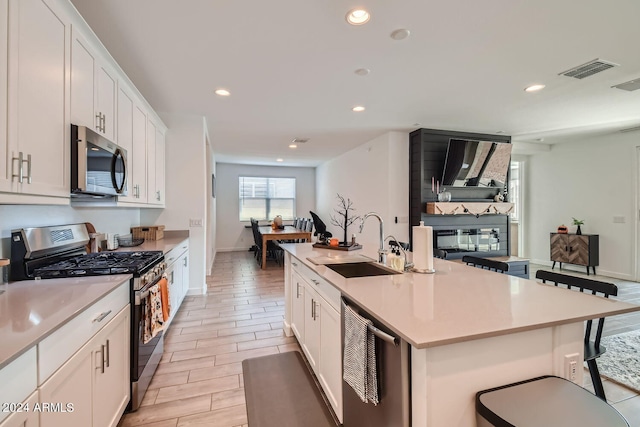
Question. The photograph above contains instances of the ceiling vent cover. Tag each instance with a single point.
(633, 129)
(588, 69)
(300, 140)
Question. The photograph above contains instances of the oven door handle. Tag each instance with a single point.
(140, 295)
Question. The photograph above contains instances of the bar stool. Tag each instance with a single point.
(544, 401)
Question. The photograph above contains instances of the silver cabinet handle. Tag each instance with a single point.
(108, 353)
(185, 262)
(20, 160)
(315, 312)
(99, 121)
(102, 359)
(101, 317)
(313, 308)
(297, 290)
(294, 264)
(315, 281)
(29, 168)
(104, 123)
(172, 277)
(158, 195)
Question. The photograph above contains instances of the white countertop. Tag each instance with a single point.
(32, 309)
(458, 302)
(172, 238)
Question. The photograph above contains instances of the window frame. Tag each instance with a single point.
(267, 206)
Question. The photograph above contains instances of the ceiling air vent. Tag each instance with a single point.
(588, 69)
(300, 140)
(629, 86)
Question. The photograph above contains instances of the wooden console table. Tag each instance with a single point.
(579, 249)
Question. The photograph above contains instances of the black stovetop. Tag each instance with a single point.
(101, 263)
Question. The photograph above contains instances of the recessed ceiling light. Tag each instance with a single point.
(362, 71)
(222, 92)
(293, 145)
(400, 34)
(499, 131)
(358, 108)
(540, 139)
(534, 88)
(358, 17)
(279, 160)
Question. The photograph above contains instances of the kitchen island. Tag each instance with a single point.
(468, 329)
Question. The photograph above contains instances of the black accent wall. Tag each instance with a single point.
(427, 153)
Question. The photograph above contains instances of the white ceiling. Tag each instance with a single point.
(290, 68)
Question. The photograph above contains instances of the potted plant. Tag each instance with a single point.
(578, 222)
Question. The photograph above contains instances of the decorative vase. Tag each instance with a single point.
(578, 231)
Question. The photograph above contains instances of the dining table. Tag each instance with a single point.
(287, 233)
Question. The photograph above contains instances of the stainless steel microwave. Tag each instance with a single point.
(98, 166)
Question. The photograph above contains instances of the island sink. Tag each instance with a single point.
(361, 269)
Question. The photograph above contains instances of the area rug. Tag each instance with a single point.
(280, 392)
(621, 362)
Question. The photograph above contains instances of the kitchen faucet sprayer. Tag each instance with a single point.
(382, 253)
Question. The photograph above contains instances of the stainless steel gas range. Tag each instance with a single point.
(59, 251)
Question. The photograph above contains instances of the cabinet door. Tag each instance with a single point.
(185, 275)
(82, 82)
(28, 418)
(71, 384)
(106, 85)
(38, 94)
(160, 168)
(139, 155)
(125, 138)
(330, 370)
(297, 306)
(311, 345)
(151, 163)
(578, 249)
(559, 247)
(111, 370)
(6, 183)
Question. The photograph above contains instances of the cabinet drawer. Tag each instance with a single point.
(18, 379)
(58, 347)
(174, 254)
(324, 288)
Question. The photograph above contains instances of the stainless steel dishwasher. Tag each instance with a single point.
(392, 363)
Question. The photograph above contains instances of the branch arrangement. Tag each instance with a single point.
(343, 218)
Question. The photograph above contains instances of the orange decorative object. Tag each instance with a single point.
(333, 242)
(562, 229)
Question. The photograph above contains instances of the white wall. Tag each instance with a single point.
(593, 179)
(231, 234)
(186, 189)
(375, 176)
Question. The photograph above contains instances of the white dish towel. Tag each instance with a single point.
(359, 359)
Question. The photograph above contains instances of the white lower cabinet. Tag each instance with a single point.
(25, 418)
(92, 388)
(316, 322)
(297, 305)
(177, 271)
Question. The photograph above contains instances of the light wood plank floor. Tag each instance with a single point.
(199, 381)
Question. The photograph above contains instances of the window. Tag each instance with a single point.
(265, 198)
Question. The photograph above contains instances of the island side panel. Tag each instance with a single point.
(445, 379)
(287, 294)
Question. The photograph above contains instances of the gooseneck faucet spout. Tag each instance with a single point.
(382, 253)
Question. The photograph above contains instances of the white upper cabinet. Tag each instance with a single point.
(5, 162)
(93, 88)
(38, 93)
(125, 138)
(139, 173)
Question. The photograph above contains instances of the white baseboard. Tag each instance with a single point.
(582, 269)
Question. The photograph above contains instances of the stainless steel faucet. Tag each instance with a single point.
(382, 253)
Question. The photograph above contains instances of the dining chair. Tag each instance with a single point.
(440, 253)
(592, 347)
(486, 264)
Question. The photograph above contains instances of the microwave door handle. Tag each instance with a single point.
(118, 186)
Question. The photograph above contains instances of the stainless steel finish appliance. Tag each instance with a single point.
(392, 361)
(98, 166)
(59, 251)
